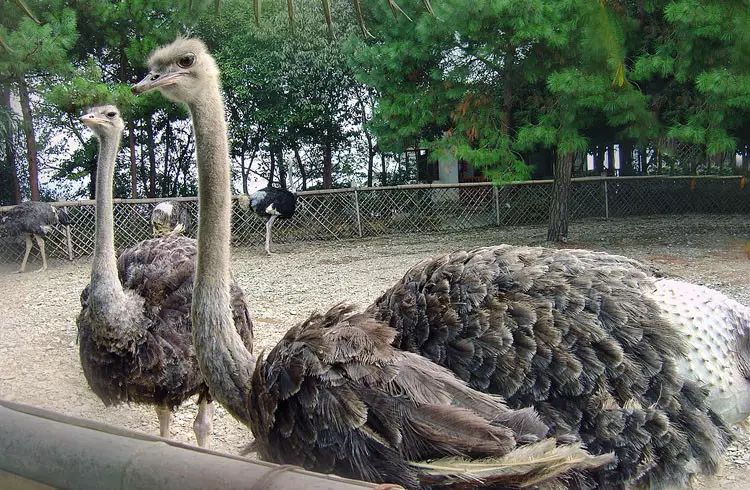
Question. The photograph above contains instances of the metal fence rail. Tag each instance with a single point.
(364, 212)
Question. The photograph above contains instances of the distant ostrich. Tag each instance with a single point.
(334, 395)
(170, 218)
(134, 327)
(33, 219)
(271, 203)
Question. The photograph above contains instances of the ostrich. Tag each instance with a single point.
(334, 395)
(134, 328)
(595, 342)
(33, 219)
(170, 218)
(270, 203)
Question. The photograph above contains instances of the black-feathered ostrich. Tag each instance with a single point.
(33, 219)
(134, 328)
(334, 395)
(170, 218)
(271, 203)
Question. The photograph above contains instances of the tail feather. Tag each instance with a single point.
(542, 463)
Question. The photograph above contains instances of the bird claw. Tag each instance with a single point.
(20, 271)
(41, 270)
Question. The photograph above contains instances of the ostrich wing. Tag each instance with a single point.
(335, 396)
(570, 333)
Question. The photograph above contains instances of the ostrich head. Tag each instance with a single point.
(181, 71)
(104, 121)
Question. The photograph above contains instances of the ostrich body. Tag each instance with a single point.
(33, 220)
(590, 341)
(271, 203)
(170, 218)
(334, 395)
(134, 327)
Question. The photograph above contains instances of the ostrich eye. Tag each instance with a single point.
(111, 114)
(186, 61)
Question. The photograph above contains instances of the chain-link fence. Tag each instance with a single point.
(352, 213)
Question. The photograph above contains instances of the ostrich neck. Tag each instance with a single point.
(105, 285)
(225, 362)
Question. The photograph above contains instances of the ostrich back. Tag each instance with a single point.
(335, 396)
(162, 368)
(273, 201)
(718, 330)
(572, 333)
(32, 217)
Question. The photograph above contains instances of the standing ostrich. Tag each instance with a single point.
(170, 218)
(334, 395)
(270, 203)
(33, 219)
(134, 328)
(594, 342)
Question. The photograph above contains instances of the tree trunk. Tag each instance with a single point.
(558, 215)
(610, 160)
(151, 157)
(327, 164)
(282, 169)
(383, 171)
(301, 166)
(746, 161)
(272, 170)
(165, 179)
(28, 129)
(370, 159)
(626, 159)
(133, 163)
(10, 153)
(505, 120)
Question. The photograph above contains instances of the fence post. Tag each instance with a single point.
(356, 209)
(606, 200)
(68, 240)
(496, 194)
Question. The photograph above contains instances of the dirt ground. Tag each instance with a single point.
(39, 356)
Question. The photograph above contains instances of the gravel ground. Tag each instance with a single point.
(39, 356)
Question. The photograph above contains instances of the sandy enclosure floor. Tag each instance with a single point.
(39, 356)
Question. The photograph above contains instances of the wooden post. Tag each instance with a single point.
(606, 200)
(496, 194)
(356, 209)
(68, 240)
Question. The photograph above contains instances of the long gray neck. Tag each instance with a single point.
(105, 285)
(225, 362)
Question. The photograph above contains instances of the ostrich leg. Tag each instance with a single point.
(26, 255)
(165, 417)
(40, 242)
(269, 224)
(203, 425)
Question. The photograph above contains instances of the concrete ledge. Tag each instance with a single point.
(41, 448)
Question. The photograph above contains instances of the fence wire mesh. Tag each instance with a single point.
(352, 213)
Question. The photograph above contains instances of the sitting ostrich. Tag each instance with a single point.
(335, 395)
(134, 328)
(33, 219)
(270, 203)
(170, 218)
(595, 342)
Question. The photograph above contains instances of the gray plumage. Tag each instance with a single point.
(334, 395)
(33, 219)
(579, 336)
(170, 218)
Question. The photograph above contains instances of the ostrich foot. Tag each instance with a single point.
(42, 269)
(203, 425)
(20, 271)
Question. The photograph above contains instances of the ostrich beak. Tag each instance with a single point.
(155, 80)
(91, 119)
